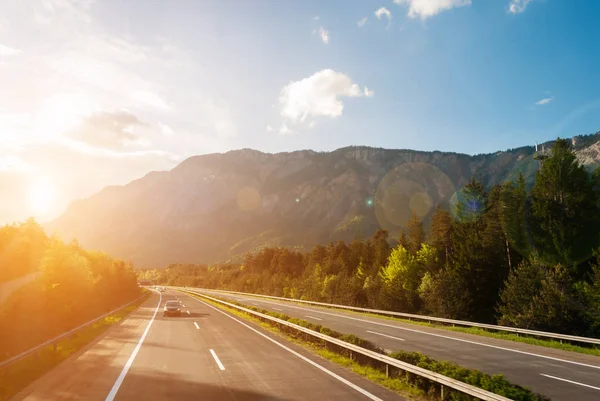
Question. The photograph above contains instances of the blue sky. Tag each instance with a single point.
(136, 86)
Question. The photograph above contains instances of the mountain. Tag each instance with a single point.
(216, 207)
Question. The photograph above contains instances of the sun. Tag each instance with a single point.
(41, 197)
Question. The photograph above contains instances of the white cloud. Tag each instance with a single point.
(361, 22)
(269, 128)
(150, 99)
(13, 164)
(544, 101)
(312, 124)
(384, 12)
(428, 8)
(318, 95)
(316, 18)
(324, 34)
(518, 6)
(285, 130)
(368, 93)
(6, 51)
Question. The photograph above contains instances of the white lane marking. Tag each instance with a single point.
(570, 381)
(312, 317)
(280, 310)
(183, 305)
(196, 324)
(254, 303)
(115, 388)
(188, 312)
(316, 365)
(443, 336)
(385, 335)
(214, 354)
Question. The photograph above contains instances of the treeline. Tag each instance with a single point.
(507, 255)
(73, 286)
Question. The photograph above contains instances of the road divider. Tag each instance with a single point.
(443, 383)
(423, 318)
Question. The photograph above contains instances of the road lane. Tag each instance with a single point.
(203, 354)
(90, 373)
(517, 361)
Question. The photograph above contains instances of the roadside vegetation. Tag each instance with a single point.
(74, 286)
(19, 375)
(518, 254)
(404, 383)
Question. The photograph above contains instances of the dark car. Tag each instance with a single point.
(172, 308)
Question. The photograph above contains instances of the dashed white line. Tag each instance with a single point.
(443, 336)
(115, 388)
(219, 364)
(305, 359)
(312, 317)
(188, 312)
(196, 324)
(571, 381)
(385, 335)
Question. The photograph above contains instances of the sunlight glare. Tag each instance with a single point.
(41, 197)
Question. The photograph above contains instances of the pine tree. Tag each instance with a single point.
(564, 208)
(439, 233)
(416, 234)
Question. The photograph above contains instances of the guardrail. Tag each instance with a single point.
(545, 334)
(56, 339)
(388, 361)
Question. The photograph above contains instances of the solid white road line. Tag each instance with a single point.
(115, 388)
(443, 336)
(214, 354)
(312, 317)
(570, 381)
(280, 310)
(305, 359)
(385, 335)
(196, 324)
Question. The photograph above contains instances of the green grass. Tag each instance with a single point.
(406, 384)
(542, 342)
(17, 376)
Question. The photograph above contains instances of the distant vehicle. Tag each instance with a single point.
(172, 308)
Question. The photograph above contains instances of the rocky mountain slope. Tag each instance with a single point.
(218, 206)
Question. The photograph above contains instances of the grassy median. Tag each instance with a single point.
(17, 376)
(407, 385)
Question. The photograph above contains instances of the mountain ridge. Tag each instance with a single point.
(218, 206)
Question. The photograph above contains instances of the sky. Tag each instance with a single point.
(101, 92)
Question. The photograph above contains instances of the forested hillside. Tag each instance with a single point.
(217, 207)
(508, 254)
(73, 286)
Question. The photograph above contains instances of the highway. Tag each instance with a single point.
(558, 374)
(206, 354)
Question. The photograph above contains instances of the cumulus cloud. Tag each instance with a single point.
(324, 34)
(384, 12)
(361, 22)
(285, 130)
(112, 130)
(544, 101)
(428, 8)
(518, 6)
(6, 51)
(318, 95)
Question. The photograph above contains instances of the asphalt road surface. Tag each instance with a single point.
(560, 375)
(206, 354)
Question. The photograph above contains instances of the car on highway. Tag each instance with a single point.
(172, 308)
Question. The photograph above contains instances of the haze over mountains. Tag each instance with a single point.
(216, 207)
